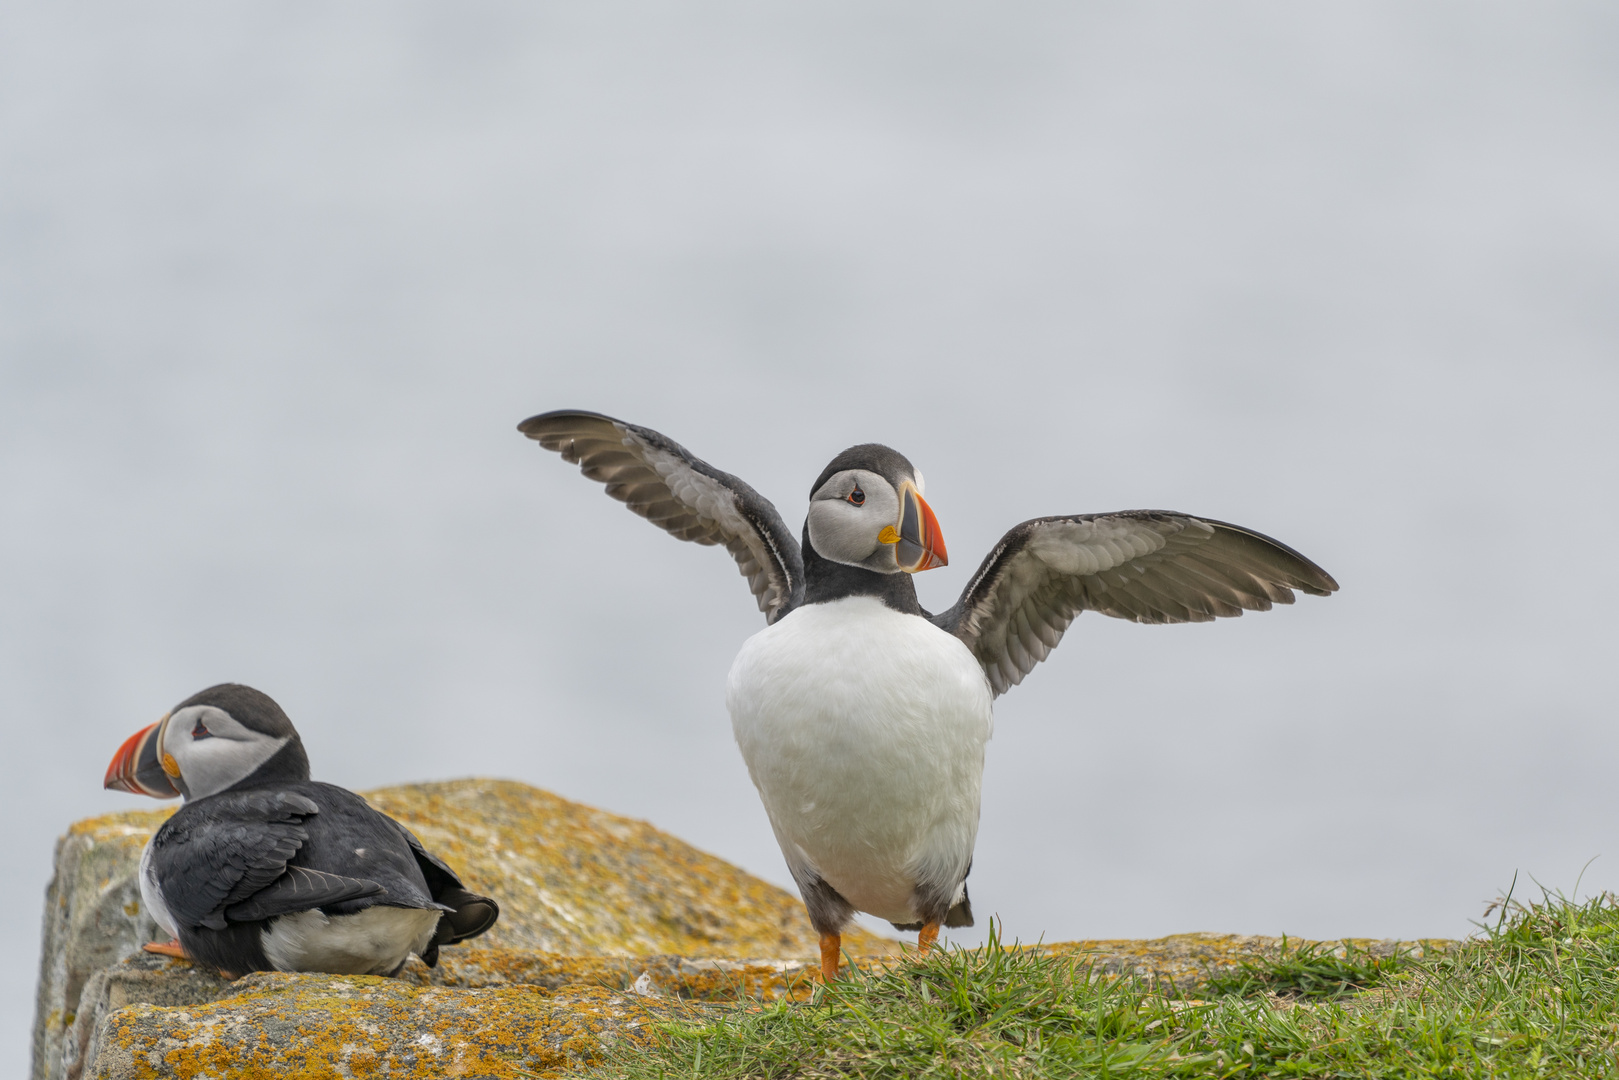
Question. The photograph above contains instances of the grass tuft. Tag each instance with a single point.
(1535, 994)
(1313, 969)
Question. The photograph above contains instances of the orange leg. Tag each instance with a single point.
(925, 940)
(831, 946)
(168, 948)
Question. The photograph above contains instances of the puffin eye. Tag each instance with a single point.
(201, 731)
(857, 497)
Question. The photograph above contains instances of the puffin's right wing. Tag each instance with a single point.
(683, 495)
(1150, 566)
(227, 857)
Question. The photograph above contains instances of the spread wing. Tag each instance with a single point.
(683, 495)
(1151, 566)
(226, 856)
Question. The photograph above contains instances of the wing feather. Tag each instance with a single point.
(226, 857)
(1150, 566)
(300, 889)
(680, 493)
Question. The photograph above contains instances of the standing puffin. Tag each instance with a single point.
(862, 717)
(264, 869)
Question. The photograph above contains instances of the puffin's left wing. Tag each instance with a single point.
(1150, 566)
(683, 495)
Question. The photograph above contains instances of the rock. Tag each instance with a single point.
(579, 881)
(93, 916)
(357, 1025)
(141, 979)
(702, 979)
(570, 880)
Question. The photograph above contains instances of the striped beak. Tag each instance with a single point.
(921, 545)
(138, 766)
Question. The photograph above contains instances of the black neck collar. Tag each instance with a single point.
(288, 763)
(825, 580)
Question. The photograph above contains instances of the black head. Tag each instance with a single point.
(885, 461)
(253, 709)
(220, 738)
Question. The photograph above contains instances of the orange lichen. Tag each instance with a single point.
(139, 824)
(307, 1027)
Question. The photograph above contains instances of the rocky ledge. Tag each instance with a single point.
(582, 894)
(608, 929)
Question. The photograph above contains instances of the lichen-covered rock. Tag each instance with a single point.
(93, 916)
(570, 879)
(139, 979)
(685, 978)
(579, 881)
(318, 1026)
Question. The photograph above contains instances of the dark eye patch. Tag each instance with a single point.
(857, 496)
(201, 731)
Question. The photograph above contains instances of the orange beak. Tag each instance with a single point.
(921, 545)
(137, 767)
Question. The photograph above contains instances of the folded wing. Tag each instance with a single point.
(1150, 566)
(467, 914)
(226, 858)
(685, 496)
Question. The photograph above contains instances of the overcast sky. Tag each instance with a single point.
(277, 282)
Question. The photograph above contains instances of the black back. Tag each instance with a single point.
(228, 863)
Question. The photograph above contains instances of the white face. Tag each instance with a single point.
(847, 515)
(211, 750)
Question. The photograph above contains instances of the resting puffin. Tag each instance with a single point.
(264, 869)
(862, 717)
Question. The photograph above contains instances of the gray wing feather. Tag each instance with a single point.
(300, 889)
(218, 854)
(685, 496)
(1150, 566)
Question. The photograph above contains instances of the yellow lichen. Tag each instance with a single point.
(304, 1027)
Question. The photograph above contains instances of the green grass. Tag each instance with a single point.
(1315, 969)
(1535, 994)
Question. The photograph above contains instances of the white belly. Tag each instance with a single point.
(864, 731)
(370, 942)
(152, 896)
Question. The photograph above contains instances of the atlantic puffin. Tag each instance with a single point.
(862, 717)
(264, 869)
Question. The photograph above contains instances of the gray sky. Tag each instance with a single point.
(278, 280)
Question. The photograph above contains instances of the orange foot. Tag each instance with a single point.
(925, 940)
(831, 946)
(168, 948)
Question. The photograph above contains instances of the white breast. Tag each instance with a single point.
(152, 896)
(864, 731)
(375, 941)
